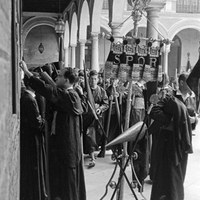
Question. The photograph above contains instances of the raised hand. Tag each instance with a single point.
(24, 67)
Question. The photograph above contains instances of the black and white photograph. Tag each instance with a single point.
(100, 100)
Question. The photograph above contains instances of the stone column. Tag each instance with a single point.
(95, 52)
(69, 56)
(166, 50)
(115, 27)
(82, 53)
(66, 57)
(153, 11)
(152, 24)
(73, 56)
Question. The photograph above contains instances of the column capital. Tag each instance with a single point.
(73, 45)
(95, 34)
(166, 48)
(115, 25)
(115, 30)
(82, 41)
(66, 48)
(73, 55)
(155, 6)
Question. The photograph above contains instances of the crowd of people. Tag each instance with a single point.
(68, 113)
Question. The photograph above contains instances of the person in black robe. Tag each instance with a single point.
(174, 143)
(66, 169)
(30, 130)
(163, 89)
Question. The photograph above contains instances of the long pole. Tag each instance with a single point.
(126, 126)
(120, 196)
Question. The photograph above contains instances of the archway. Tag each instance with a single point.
(181, 47)
(84, 23)
(44, 36)
(36, 21)
(66, 43)
(73, 39)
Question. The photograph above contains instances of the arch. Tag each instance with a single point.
(128, 26)
(84, 21)
(74, 29)
(104, 24)
(129, 23)
(163, 31)
(183, 24)
(36, 21)
(66, 35)
(116, 5)
(38, 35)
(96, 16)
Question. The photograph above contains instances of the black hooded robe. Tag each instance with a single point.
(172, 148)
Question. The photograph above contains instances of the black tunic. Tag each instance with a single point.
(30, 124)
(65, 165)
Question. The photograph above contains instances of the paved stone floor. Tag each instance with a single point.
(98, 177)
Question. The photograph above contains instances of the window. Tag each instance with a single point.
(188, 6)
(105, 5)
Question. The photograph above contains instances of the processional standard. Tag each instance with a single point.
(132, 63)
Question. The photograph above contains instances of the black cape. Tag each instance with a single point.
(174, 142)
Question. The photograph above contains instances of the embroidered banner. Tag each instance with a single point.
(134, 62)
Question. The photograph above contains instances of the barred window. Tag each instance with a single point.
(105, 4)
(188, 6)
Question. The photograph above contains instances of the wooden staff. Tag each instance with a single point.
(117, 108)
(126, 126)
(113, 94)
(108, 123)
(97, 119)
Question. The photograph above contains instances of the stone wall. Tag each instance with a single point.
(9, 165)
(46, 36)
(9, 121)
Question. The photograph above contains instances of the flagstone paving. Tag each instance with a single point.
(98, 176)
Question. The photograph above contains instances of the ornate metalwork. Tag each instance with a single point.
(138, 6)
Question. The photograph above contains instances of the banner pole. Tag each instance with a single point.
(120, 196)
